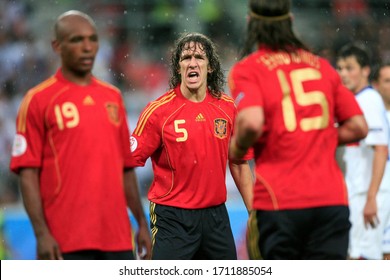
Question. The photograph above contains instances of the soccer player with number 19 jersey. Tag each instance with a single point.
(59, 129)
(288, 103)
(72, 153)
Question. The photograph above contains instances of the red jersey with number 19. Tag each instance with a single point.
(188, 144)
(302, 98)
(79, 138)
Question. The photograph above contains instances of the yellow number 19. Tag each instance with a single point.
(69, 111)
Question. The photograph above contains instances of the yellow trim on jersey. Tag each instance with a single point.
(22, 116)
(105, 84)
(56, 164)
(227, 98)
(51, 141)
(226, 114)
(270, 191)
(150, 109)
(167, 154)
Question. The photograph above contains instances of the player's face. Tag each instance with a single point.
(353, 76)
(78, 46)
(194, 67)
(383, 84)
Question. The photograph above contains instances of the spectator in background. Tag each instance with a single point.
(365, 160)
(21, 66)
(381, 82)
(383, 46)
(186, 133)
(345, 9)
(288, 102)
(72, 154)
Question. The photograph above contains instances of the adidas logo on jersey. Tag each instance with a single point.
(200, 118)
(88, 100)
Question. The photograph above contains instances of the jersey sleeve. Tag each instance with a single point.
(375, 114)
(244, 87)
(146, 137)
(28, 142)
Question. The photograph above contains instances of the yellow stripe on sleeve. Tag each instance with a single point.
(150, 109)
(108, 85)
(227, 98)
(22, 115)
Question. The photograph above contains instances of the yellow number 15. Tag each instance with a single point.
(303, 98)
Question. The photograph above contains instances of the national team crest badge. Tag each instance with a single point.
(220, 128)
(113, 113)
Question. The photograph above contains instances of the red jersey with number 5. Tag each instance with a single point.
(302, 98)
(79, 139)
(188, 144)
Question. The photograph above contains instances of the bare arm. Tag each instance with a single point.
(378, 169)
(248, 128)
(352, 130)
(242, 176)
(134, 202)
(47, 246)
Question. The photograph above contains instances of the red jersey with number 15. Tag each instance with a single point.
(188, 144)
(302, 98)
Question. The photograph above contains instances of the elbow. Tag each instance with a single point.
(353, 130)
(360, 127)
(250, 121)
(363, 130)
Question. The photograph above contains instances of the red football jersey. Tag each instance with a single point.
(188, 145)
(79, 138)
(302, 98)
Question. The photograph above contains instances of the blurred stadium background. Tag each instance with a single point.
(135, 39)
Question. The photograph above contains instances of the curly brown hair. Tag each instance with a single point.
(215, 79)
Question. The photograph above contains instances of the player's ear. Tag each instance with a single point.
(55, 45)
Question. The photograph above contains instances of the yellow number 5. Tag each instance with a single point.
(303, 98)
(181, 130)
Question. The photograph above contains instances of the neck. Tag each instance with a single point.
(78, 79)
(360, 88)
(196, 95)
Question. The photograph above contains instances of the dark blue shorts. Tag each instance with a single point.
(185, 234)
(305, 234)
